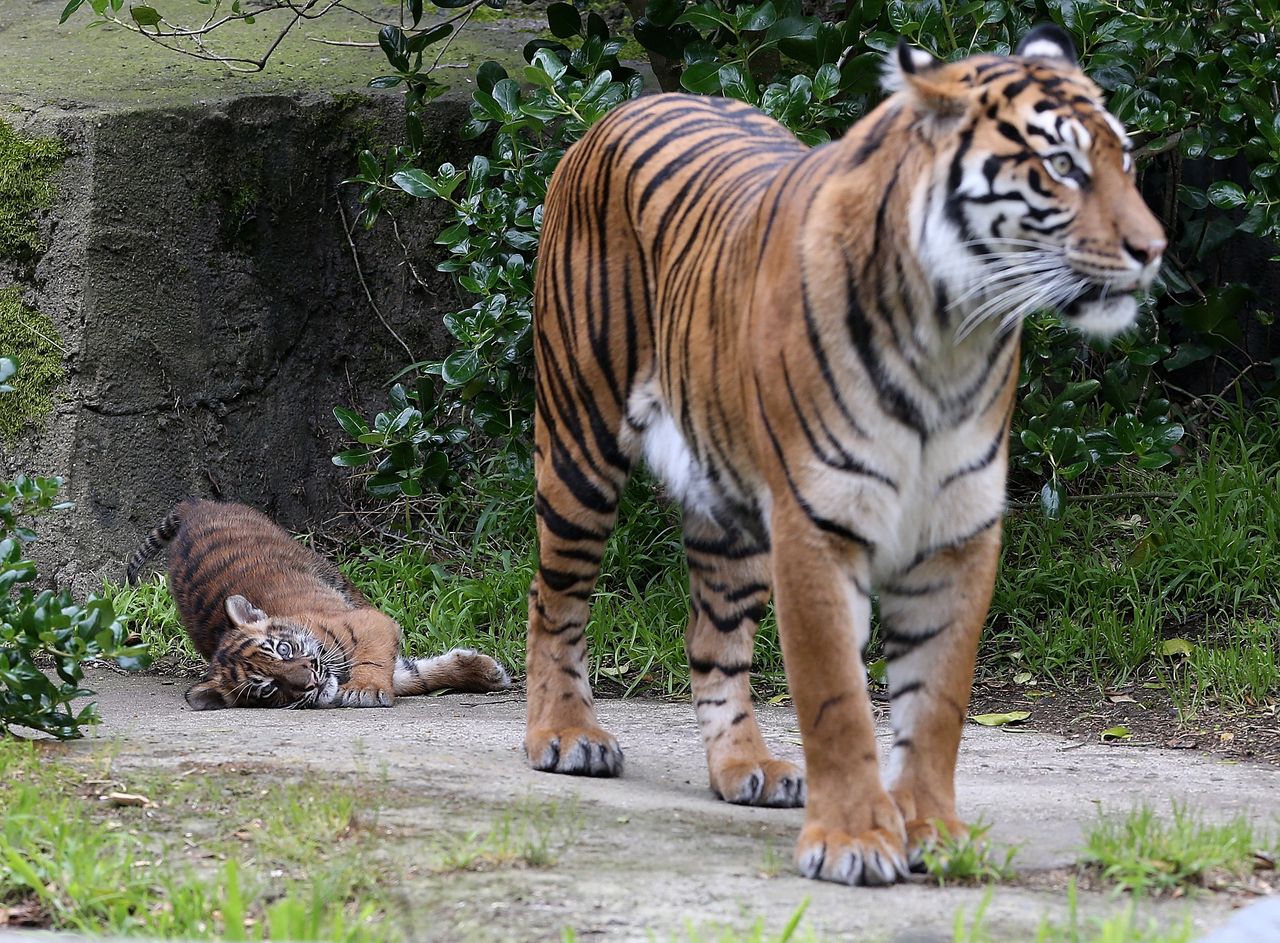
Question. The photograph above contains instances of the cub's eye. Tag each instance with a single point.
(284, 651)
(1061, 164)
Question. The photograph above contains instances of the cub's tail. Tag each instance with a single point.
(156, 541)
(459, 670)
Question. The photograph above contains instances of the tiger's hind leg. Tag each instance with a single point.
(576, 514)
(931, 617)
(728, 592)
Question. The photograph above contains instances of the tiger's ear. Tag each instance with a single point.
(205, 696)
(1047, 42)
(916, 72)
(244, 613)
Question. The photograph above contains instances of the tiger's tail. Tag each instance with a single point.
(461, 669)
(156, 541)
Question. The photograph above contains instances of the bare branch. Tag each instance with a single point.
(355, 257)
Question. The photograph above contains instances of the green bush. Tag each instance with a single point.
(45, 626)
(1195, 83)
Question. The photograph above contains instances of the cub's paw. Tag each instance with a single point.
(578, 751)
(874, 857)
(924, 833)
(353, 696)
(768, 782)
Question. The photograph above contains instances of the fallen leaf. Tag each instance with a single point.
(1176, 646)
(1116, 733)
(1121, 699)
(1000, 720)
(1024, 677)
(127, 798)
(1226, 736)
(1177, 744)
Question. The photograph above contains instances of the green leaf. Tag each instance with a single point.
(1000, 720)
(415, 10)
(460, 367)
(395, 46)
(351, 422)
(759, 18)
(826, 83)
(385, 81)
(1115, 733)
(1224, 194)
(145, 16)
(701, 78)
(1172, 647)
(69, 9)
(424, 39)
(414, 182)
(564, 20)
(488, 75)
(353, 458)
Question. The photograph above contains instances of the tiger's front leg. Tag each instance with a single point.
(931, 617)
(373, 661)
(728, 593)
(853, 831)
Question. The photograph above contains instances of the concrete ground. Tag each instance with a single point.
(654, 852)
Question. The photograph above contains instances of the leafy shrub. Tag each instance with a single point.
(45, 625)
(1080, 409)
(497, 207)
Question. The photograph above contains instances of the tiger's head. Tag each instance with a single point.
(1032, 202)
(263, 661)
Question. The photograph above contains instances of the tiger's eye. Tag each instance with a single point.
(1062, 164)
(285, 651)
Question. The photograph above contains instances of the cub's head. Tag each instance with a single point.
(267, 662)
(1032, 202)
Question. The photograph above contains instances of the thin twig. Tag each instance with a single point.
(355, 257)
(407, 261)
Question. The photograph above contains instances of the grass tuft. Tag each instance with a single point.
(1144, 853)
(968, 858)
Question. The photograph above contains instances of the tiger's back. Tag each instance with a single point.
(222, 550)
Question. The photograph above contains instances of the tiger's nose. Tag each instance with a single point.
(1145, 251)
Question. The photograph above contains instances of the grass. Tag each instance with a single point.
(1090, 597)
(1195, 556)
(967, 858)
(31, 339)
(1141, 852)
(73, 863)
(530, 834)
(1123, 927)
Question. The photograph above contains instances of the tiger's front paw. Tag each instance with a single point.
(924, 833)
(353, 695)
(577, 751)
(874, 856)
(768, 782)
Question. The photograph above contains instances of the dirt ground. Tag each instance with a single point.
(653, 853)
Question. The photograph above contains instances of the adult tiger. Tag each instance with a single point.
(816, 351)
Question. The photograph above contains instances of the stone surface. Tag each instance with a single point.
(654, 849)
(198, 272)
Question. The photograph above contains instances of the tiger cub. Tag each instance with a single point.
(281, 626)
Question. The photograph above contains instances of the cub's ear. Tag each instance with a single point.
(244, 613)
(205, 696)
(1047, 42)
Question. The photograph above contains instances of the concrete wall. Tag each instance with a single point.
(212, 313)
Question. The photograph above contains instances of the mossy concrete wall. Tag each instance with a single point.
(197, 273)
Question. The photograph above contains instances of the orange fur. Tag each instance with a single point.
(816, 351)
